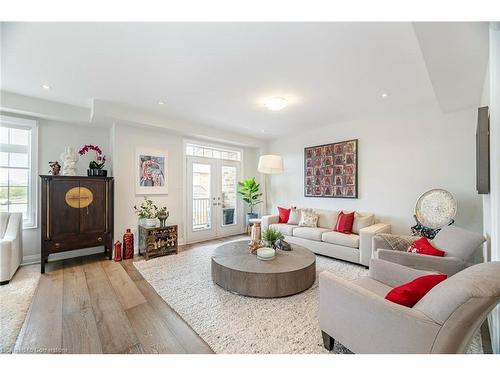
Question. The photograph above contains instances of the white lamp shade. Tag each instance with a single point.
(270, 164)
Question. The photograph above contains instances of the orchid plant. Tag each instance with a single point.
(99, 158)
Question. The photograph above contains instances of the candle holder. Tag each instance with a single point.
(255, 236)
(118, 251)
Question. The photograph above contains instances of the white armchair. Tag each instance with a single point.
(357, 314)
(11, 245)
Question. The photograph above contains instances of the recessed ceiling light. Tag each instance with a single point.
(46, 86)
(275, 103)
(161, 102)
(262, 131)
(385, 95)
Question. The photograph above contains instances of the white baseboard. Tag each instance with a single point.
(35, 258)
(32, 259)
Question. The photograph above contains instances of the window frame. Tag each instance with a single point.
(31, 221)
(213, 148)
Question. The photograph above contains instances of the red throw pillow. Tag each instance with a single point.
(344, 222)
(423, 246)
(410, 293)
(284, 214)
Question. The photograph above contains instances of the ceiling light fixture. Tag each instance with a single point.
(46, 87)
(161, 102)
(385, 95)
(275, 103)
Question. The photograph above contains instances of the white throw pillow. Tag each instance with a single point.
(308, 219)
(361, 222)
(294, 217)
(327, 218)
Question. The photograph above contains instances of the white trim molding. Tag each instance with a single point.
(494, 317)
(32, 125)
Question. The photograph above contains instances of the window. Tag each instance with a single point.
(212, 152)
(18, 140)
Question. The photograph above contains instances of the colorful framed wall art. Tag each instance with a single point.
(331, 170)
(151, 172)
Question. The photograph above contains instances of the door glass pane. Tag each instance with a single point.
(202, 207)
(228, 195)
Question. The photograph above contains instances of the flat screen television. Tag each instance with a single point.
(483, 151)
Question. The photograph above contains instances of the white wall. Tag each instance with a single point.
(400, 157)
(492, 201)
(125, 140)
(53, 136)
(119, 144)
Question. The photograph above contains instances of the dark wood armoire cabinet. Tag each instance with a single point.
(77, 213)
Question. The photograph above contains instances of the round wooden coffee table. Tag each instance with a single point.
(236, 269)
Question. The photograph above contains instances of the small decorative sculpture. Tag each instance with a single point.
(254, 245)
(255, 236)
(162, 214)
(69, 159)
(281, 244)
(55, 168)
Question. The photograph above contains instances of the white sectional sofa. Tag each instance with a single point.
(355, 247)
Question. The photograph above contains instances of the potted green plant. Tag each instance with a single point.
(270, 236)
(147, 212)
(249, 191)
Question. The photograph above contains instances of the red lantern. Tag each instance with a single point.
(118, 251)
(128, 245)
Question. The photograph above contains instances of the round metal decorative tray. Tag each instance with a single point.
(436, 208)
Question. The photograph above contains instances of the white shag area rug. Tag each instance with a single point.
(230, 323)
(15, 300)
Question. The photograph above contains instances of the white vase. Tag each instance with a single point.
(150, 223)
(69, 158)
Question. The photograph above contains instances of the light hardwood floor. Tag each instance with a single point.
(93, 305)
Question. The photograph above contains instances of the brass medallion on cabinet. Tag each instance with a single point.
(77, 213)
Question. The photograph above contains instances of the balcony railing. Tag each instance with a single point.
(201, 213)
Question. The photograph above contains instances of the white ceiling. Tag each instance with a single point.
(456, 56)
(214, 74)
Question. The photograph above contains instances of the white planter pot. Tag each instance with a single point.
(150, 223)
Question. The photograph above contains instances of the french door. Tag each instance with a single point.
(213, 208)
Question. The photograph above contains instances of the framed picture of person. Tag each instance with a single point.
(335, 170)
(151, 175)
